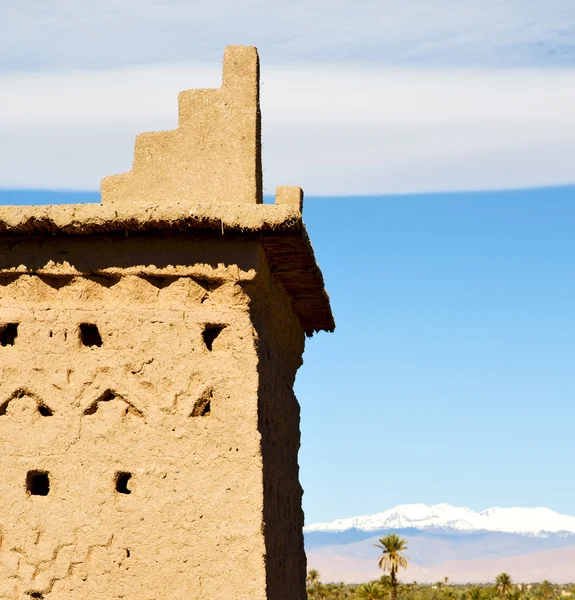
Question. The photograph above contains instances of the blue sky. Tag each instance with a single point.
(449, 377)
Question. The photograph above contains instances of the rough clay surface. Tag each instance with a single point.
(197, 521)
(214, 153)
(148, 348)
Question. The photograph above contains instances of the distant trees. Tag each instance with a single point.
(370, 591)
(547, 590)
(515, 594)
(503, 584)
(331, 591)
(474, 593)
(380, 589)
(315, 588)
(392, 558)
(385, 584)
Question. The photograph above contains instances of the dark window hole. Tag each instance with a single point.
(8, 334)
(38, 483)
(106, 397)
(122, 480)
(90, 335)
(210, 334)
(203, 405)
(45, 411)
(36, 595)
(127, 553)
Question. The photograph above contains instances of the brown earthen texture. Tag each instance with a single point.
(214, 153)
(280, 348)
(129, 405)
(148, 428)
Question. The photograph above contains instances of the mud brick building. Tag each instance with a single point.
(148, 348)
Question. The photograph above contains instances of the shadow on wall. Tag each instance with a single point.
(141, 249)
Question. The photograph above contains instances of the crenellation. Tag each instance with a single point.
(290, 195)
(214, 153)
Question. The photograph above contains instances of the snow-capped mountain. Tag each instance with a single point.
(425, 517)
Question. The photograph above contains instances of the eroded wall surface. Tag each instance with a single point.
(280, 348)
(148, 438)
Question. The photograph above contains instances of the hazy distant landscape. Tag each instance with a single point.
(444, 541)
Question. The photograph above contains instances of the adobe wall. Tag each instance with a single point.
(148, 348)
(280, 348)
(192, 525)
(214, 153)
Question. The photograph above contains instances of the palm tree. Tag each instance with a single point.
(503, 584)
(515, 594)
(320, 591)
(338, 591)
(449, 593)
(474, 593)
(546, 589)
(312, 577)
(538, 593)
(391, 559)
(369, 591)
(313, 583)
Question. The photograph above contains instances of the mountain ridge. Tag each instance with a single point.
(538, 521)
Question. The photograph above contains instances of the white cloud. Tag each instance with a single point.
(64, 34)
(331, 130)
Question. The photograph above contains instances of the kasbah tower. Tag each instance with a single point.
(149, 431)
